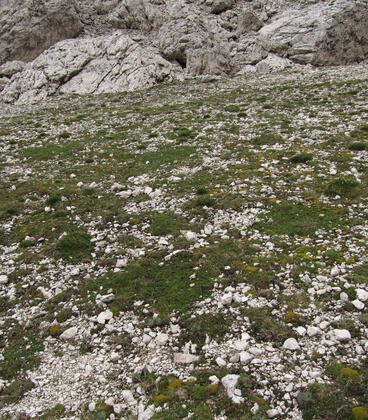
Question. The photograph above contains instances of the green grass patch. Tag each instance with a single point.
(196, 329)
(289, 218)
(165, 288)
(52, 151)
(267, 138)
(339, 399)
(20, 349)
(303, 157)
(344, 186)
(75, 246)
(358, 146)
(165, 224)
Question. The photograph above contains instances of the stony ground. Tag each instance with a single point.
(196, 250)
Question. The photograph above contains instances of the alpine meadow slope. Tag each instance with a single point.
(183, 210)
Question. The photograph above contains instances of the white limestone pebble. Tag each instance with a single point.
(344, 297)
(341, 335)
(291, 344)
(3, 279)
(69, 333)
(358, 304)
(185, 358)
(245, 357)
(227, 298)
(324, 325)
(362, 295)
(313, 331)
(220, 361)
(122, 262)
(114, 357)
(162, 339)
(104, 316)
(189, 236)
(335, 271)
(128, 397)
(301, 331)
(272, 413)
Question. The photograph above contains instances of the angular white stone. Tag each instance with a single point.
(344, 297)
(255, 351)
(107, 298)
(75, 272)
(241, 345)
(291, 344)
(221, 362)
(189, 236)
(341, 335)
(362, 295)
(3, 279)
(185, 358)
(162, 339)
(234, 358)
(104, 316)
(301, 331)
(128, 397)
(358, 304)
(114, 357)
(123, 262)
(229, 382)
(335, 271)
(226, 299)
(245, 357)
(145, 414)
(69, 333)
(214, 379)
(313, 331)
(324, 324)
(175, 328)
(272, 413)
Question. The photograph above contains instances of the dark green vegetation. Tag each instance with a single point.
(334, 400)
(165, 288)
(74, 246)
(290, 218)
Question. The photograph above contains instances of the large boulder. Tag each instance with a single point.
(321, 34)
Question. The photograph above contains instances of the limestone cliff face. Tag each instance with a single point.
(62, 46)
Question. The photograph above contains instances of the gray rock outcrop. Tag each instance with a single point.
(90, 65)
(29, 27)
(321, 34)
(93, 46)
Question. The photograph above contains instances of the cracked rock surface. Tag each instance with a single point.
(64, 45)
